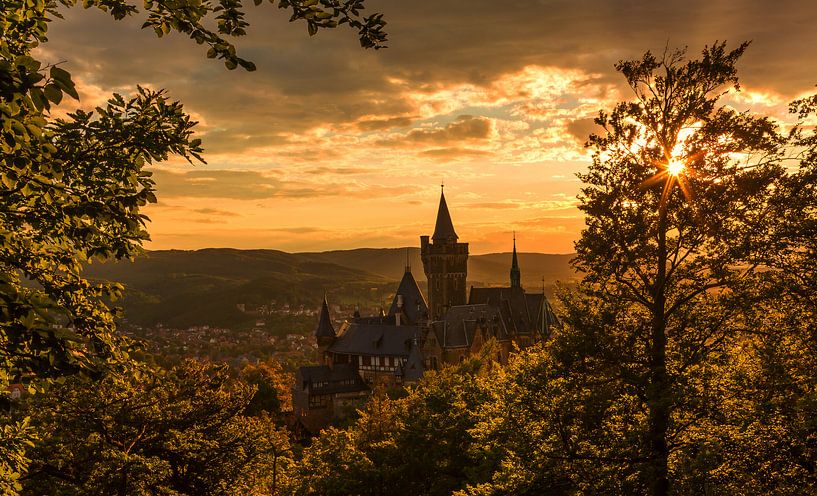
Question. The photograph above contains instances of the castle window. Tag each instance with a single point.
(318, 401)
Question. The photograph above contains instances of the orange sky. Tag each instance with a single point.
(328, 146)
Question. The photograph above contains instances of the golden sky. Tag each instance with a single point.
(328, 146)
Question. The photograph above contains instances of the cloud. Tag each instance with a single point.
(216, 212)
(376, 124)
(464, 128)
(254, 185)
(497, 102)
(581, 129)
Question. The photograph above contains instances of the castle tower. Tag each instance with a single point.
(445, 262)
(516, 275)
(325, 333)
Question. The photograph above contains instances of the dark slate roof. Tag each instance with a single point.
(521, 312)
(325, 329)
(414, 368)
(374, 340)
(511, 303)
(444, 229)
(461, 323)
(541, 311)
(375, 319)
(415, 308)
(320, 379)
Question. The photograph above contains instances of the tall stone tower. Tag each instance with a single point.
(445, 263)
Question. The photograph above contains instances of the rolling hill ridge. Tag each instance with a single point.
(184, 288)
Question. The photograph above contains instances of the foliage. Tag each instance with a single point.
(71, 189)
(181, 431)
(272, 395)
(680, 202)
(419, 444)
(15, 440)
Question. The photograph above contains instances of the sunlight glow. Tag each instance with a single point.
(675, 167)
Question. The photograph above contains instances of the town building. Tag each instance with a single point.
(419, 334)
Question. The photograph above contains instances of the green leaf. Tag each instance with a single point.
(53, 93)
(38, 99)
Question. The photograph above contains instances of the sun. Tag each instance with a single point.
(675, 168)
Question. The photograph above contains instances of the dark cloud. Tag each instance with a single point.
(307, 81)
(465, 128)
(581, 129)
(255, 185)
(383, 124)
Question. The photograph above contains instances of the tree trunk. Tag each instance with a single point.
(658, 389)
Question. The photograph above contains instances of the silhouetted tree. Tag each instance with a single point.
(679, 201)
(72, 189)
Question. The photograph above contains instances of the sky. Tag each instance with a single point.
(329, 146)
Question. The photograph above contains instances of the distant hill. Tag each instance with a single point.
(183, 288)
(489, 269)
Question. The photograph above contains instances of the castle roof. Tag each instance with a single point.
(321, 379)
(522, 313)
(459, 326)
(444, 229)
(374, 340)
(325, 329)
(414, 368)
(415, 308)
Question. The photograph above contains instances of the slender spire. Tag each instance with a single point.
(325, 329)
(516, 275)
(444, 229)
(408, 264)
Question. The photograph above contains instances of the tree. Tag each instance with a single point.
(679, 201)
(71, 189)
(676, 257)
(272, 394)
(772, 433)
(181, 431)
(420, 444)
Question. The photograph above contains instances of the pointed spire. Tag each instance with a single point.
(414, 368)
(408, 264)
(325, 329)
(516, 275)
(444, 229)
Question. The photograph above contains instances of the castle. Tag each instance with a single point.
(418, 334)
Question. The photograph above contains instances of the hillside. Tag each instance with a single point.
(183, 288)
(489, 269)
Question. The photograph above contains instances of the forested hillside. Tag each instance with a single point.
(185, 288)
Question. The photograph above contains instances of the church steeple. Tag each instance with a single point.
(516, 275)
(444, 229)
(325, 329)
(324, 333)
